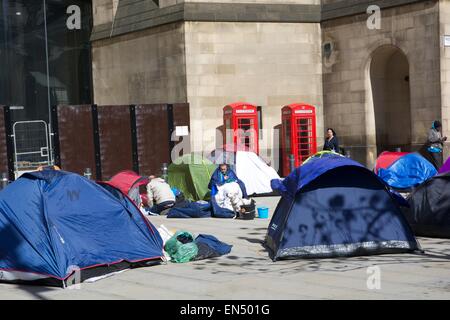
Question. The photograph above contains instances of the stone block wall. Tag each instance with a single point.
(211, 61)
(266, 64)
(142, 67)
(348, 105)
(444, 30)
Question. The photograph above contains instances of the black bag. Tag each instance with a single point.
(248, 212)
(205, 252)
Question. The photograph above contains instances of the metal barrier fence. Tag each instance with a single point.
(31, 144)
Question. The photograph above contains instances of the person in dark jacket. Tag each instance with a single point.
(435, 143)
(331, 141)
(222, 175)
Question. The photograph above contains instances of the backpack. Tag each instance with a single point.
(248, 211)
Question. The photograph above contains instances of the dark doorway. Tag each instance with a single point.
(389, 74)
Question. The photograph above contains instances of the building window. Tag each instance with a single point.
(43, 63)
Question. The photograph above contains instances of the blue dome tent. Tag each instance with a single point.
(407, 172)
(53, 223)
(333, 206)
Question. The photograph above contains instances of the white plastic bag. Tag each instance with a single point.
(165, 235)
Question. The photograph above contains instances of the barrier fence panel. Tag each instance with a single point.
(74, 138)
(155, 124)
(181, 118)
(108, 139)
(152, 136)
(6, 149)
(115, 139)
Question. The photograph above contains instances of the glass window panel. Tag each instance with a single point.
(43, 63)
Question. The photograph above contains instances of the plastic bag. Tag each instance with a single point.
(205, 252)
(181, 247)
(164, 233)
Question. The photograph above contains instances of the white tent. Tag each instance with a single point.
(254, 172)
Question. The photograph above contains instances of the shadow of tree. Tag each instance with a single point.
(251, 265)
(342, 217)
(252, 240)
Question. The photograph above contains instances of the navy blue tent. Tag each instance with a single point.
(54, 223)
(333, 206)
(407, 172)
(429, 209)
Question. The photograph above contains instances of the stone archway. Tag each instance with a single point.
(389, 80)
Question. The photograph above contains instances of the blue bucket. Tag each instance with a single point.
(263, 212)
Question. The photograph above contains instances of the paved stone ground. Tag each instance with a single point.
(248, 273)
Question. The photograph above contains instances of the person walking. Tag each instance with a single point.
(331, 141)
(435, 143)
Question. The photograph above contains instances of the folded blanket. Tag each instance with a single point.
(190, 210)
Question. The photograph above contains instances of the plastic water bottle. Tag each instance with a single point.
(87, 173)
(164, 171)
(4, 181)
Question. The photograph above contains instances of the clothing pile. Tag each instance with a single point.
(188, 209)
(182, 247)
(227, 203)
(229, 196)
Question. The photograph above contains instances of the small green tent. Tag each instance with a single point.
(191, 174)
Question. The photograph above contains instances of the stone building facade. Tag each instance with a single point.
(380, 88)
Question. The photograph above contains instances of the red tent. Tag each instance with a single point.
(387, 158)
(128, 182)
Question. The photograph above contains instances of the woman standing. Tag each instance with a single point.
(331, 141)
(435, 143)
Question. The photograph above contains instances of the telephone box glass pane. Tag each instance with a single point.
(304, 135)
(245, 124)
(246, 132)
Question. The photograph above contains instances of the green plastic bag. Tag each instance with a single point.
(181, 252)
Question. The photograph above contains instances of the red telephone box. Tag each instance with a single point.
(241, 126)
(299, 138)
